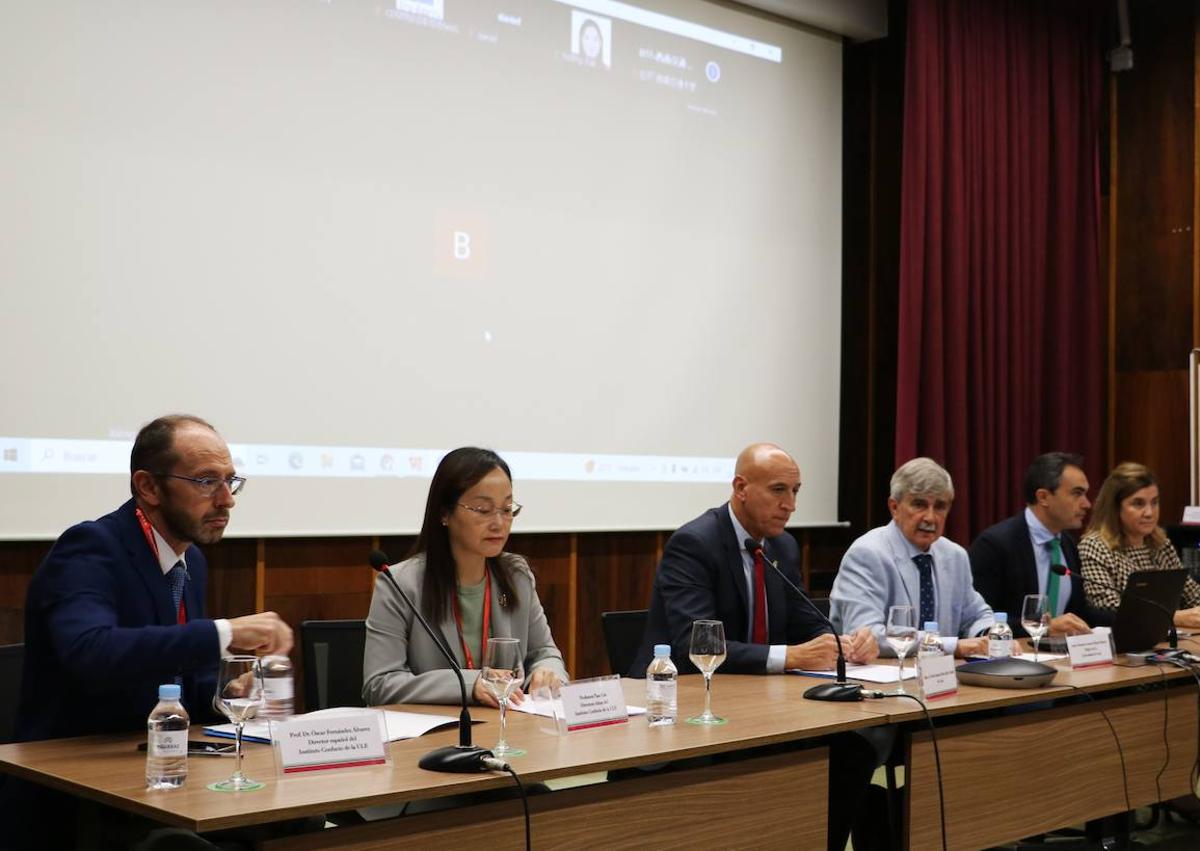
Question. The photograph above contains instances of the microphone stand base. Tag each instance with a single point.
(835, 691)
(455, 758)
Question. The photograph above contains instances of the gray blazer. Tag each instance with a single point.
(401, 663)
(878, 571)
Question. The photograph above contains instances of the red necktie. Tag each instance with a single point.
(759, 635)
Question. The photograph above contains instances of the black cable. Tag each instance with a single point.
(524, 803)
(937, 758)
(1166, 739)
(1116, 738)
(1191, 669)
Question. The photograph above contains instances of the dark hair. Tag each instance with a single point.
(1046, 472)
(154, 446)
(457, 473)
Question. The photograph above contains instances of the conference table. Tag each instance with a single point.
(1013, 763)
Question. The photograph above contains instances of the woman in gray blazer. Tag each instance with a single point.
(468, 588)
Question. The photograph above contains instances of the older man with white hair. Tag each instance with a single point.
(908, 562)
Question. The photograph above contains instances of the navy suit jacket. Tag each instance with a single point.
(1004, 571)
(101, 634)
(701, 576)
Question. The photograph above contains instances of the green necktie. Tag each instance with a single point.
(1052, 582)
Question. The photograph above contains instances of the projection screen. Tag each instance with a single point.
(602, 238)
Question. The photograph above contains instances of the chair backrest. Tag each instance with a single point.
(623, 633)
(333, 662)
(12, 663)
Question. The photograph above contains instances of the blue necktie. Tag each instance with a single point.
(177, 576)
(924, 563)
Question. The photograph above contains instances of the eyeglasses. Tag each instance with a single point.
(209, 485)
(504, 512)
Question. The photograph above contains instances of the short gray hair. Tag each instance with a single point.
(921, 477)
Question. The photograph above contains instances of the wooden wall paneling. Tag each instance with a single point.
(550, 557)
(826, 546)
(18, 561)
(873, 93)
(260, 575)
(616, 572)
(1152, 427)
(316, 579)
(1156, 151)
(233, 588)
(1152, 251)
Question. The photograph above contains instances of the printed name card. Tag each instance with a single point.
(1090, 651)
(330, 741)
(938, 676)
(597, 702)
(1191, 515)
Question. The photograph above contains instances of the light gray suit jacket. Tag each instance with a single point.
(878, 571)
(401, 663)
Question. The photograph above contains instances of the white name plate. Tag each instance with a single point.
(597, 702)
(938, 676)
(345, 740)
(1191, 515)
(1090, 651)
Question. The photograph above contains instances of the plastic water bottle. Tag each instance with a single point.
(167, 743)
(931, 641)
(278, 687)
(661, 682)
(1000, 638)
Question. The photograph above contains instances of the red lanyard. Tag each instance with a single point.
(148, 531)
(487, 616)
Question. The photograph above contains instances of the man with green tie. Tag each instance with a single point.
(1015, 557)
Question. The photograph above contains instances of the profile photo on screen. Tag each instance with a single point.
(591, 38)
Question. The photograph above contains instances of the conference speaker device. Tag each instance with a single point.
(1006, 673)
(463, 758)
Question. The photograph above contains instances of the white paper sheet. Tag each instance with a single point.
(866, 673)
(546, 707)
(400, 725)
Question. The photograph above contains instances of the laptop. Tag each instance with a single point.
(1140, 624)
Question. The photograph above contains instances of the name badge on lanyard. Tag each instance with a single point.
(487, 617)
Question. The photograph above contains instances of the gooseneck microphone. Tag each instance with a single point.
(463, 758)
(1172, 635)
(839, 689)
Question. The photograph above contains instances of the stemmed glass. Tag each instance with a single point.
(1035, 617)
(707, 652)
(901, 635)
(239, 698)
(503, 670)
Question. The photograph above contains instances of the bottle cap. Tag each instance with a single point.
(169, 691)
(931, 626)
(1001, 617)
(662, 650)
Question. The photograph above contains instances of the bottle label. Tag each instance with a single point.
(660, 691)
(1000, 648)
(278, 688)
(168, 743)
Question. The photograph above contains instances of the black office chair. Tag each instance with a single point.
(623, 632)
(333, 663)
(12, 663)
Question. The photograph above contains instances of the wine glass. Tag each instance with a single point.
(503, 670)
(707, 653)
(901, 635)
(239, 698)
(1035, 617)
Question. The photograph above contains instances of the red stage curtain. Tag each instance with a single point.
(1001, 337)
